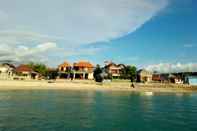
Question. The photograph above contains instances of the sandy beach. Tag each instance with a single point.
(80, 85)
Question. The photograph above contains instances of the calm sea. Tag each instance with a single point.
(97, 111)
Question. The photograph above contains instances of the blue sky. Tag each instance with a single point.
(146, 33)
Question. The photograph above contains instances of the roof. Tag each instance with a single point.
(24, 68)
(7, 65)
(143, 71)
(65, 64)
(83, 64)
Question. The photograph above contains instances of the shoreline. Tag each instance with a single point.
(86, 85)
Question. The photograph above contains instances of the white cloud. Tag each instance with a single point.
(29, 24)
(82, 21)
(23, 53)
(173, 68)
(188, 45)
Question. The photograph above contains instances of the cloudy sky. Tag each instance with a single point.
(156, 34)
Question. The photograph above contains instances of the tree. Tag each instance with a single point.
(52, 74)
(97, 74)
(129, 72)
(132, 72)
(38, 67)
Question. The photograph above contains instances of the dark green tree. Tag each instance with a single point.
(40, 68)
(132, 72)
(52, 74)
(97, 74)
(129, 72)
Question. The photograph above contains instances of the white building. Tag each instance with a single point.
(6, 71)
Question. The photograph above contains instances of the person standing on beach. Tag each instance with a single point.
(132, 85)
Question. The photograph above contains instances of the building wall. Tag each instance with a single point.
(144, 76)
(6, 73)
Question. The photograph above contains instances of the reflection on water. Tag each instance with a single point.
(75, 110)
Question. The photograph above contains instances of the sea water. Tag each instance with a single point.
(61, 110)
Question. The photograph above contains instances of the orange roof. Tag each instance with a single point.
(65, 64)
(24, 68)
(83, 64)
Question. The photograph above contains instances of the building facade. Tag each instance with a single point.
(79, 70)
(7, 71)
(24, 72)
(144, 76)
(114, 69)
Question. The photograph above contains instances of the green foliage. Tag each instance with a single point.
(38, 67)
(129, 72)
(52, 74)
(97, 74)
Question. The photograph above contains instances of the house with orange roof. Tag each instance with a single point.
(79, 70)
(25, 72)
(64, 70)
(83, 70)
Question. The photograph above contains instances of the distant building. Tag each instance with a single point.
(83, 70)
(7, 71)
(175, 79)
(114, 69)
(79, 70)
(156, 78)
(65, 67)
(64, 70)
(144, 76)
(164, 78)
(25, 72)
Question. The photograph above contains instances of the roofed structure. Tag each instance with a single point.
(144, 76)
(83, 64)
(65, 64)
(23, 68)
(114, 69)
(64, 67)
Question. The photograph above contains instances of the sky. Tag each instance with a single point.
(159, 35)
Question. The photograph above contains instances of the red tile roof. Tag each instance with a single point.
(65, 64)
(85, 64)
(24, 68)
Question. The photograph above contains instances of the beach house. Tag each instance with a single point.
(79, 70)
(83, 70)
(144, 76)
(114, 69)
(7, 71)
(24, 72)
(64, 70)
